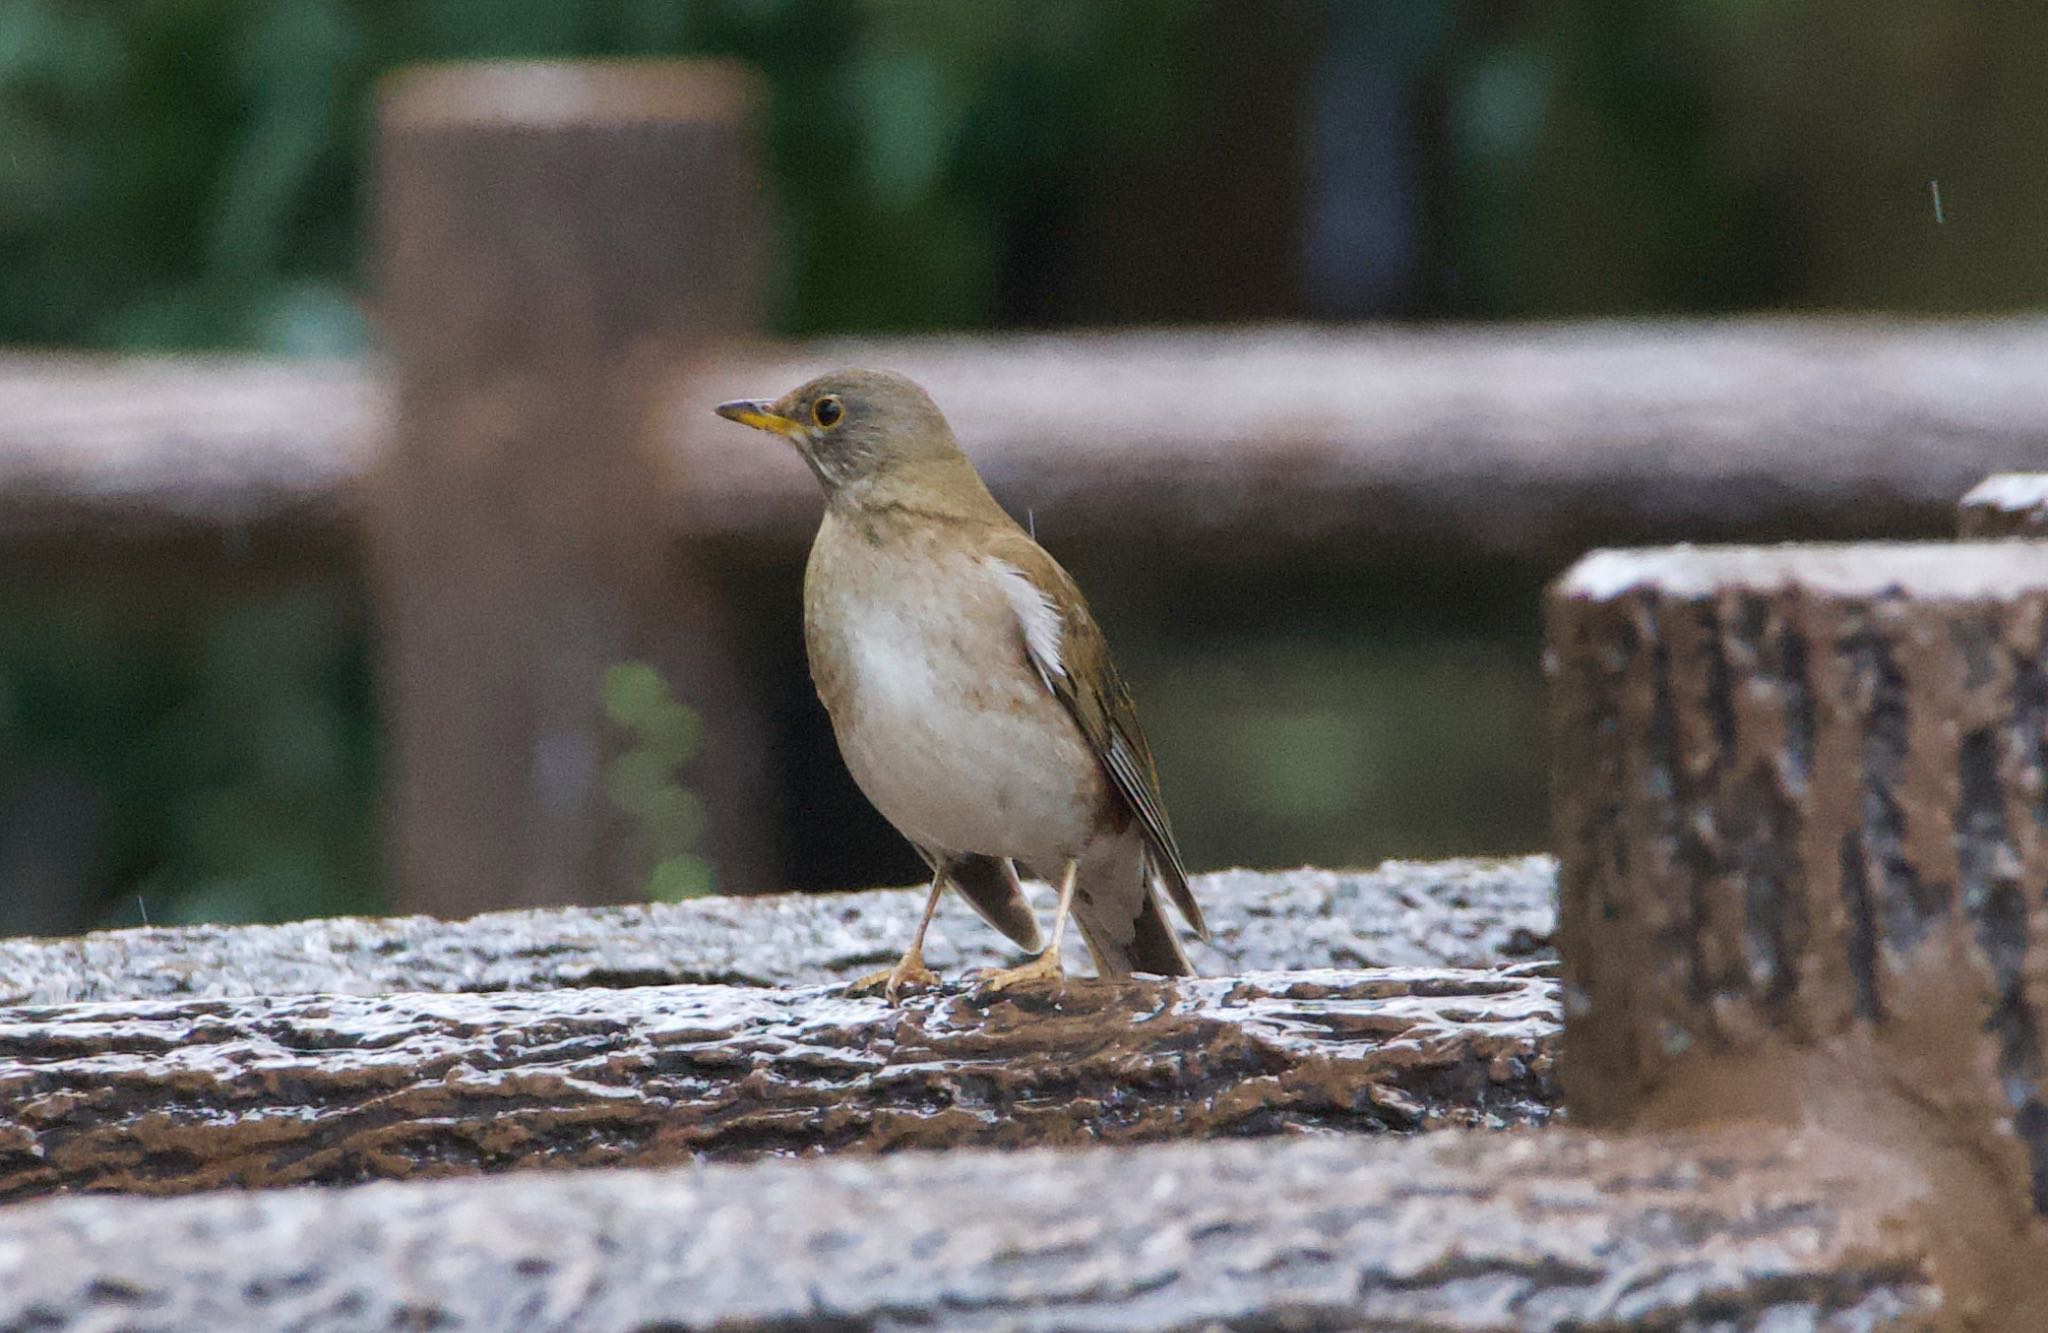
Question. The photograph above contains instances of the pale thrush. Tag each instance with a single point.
(971, 691)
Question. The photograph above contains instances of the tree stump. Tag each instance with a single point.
(2009, 504)
(1802, 806)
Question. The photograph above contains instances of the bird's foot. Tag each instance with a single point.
(1044, 970)
(909, 974)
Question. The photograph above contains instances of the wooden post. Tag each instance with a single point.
(2006, 504)
(551, 238)
(1803, 835)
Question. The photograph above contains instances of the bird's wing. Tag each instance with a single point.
(1067, 648)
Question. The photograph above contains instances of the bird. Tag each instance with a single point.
(971, 691)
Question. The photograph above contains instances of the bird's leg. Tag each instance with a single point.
(1047, 966)
(910, 973)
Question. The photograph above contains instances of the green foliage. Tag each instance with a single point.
(220, 750)
(1338, 751)
(191, 174)
(646, 780)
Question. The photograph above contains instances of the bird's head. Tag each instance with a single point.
(861, 431)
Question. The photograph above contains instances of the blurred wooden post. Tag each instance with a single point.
(551, 238)
(2006, 504)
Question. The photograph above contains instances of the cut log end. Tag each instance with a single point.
(2007, 504)
(1801, 792)
(583, 95)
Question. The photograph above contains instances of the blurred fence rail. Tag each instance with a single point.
(120, 449)
(1517, 439)
(1531, 442)
(1531, 439)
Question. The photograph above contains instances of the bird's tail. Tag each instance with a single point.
(990, 883)
(1119, 913)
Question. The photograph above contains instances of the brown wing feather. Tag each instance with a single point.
(1101, 704)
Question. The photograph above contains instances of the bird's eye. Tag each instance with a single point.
(827, 411)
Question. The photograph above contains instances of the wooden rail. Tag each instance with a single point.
(1537, 434)
(1522, 1233)
(1533, 440)
(323, 1089)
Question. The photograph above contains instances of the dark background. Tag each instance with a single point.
(188, 175)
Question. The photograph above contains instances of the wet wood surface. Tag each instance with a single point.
(174, 1096)
(1485, 1233)
(1450, 914)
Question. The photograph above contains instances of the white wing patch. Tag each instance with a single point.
(1037, 617)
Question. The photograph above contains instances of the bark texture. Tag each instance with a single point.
(1680, 1233)
(1447, 914)
(170, 1097)
(1802, 802)
(2010, 504)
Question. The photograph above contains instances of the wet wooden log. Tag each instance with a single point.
(173, 1097)
(1802, 814)
(551, 240)
(1448, 914)
(2008, 504)
(1485, 1233)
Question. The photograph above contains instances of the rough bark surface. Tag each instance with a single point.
(1453, 914)
(1802, 794)
(170, 1097)
(1681, 1233)
(2010, 504)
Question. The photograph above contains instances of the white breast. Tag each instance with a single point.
(947, 725)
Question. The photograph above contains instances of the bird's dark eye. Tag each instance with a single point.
(827, 411)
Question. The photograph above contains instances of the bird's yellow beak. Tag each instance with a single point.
(760, 414)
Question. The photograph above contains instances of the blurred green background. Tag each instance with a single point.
(189, 174)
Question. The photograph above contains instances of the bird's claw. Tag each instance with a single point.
(1044, 970)
(909, 974)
